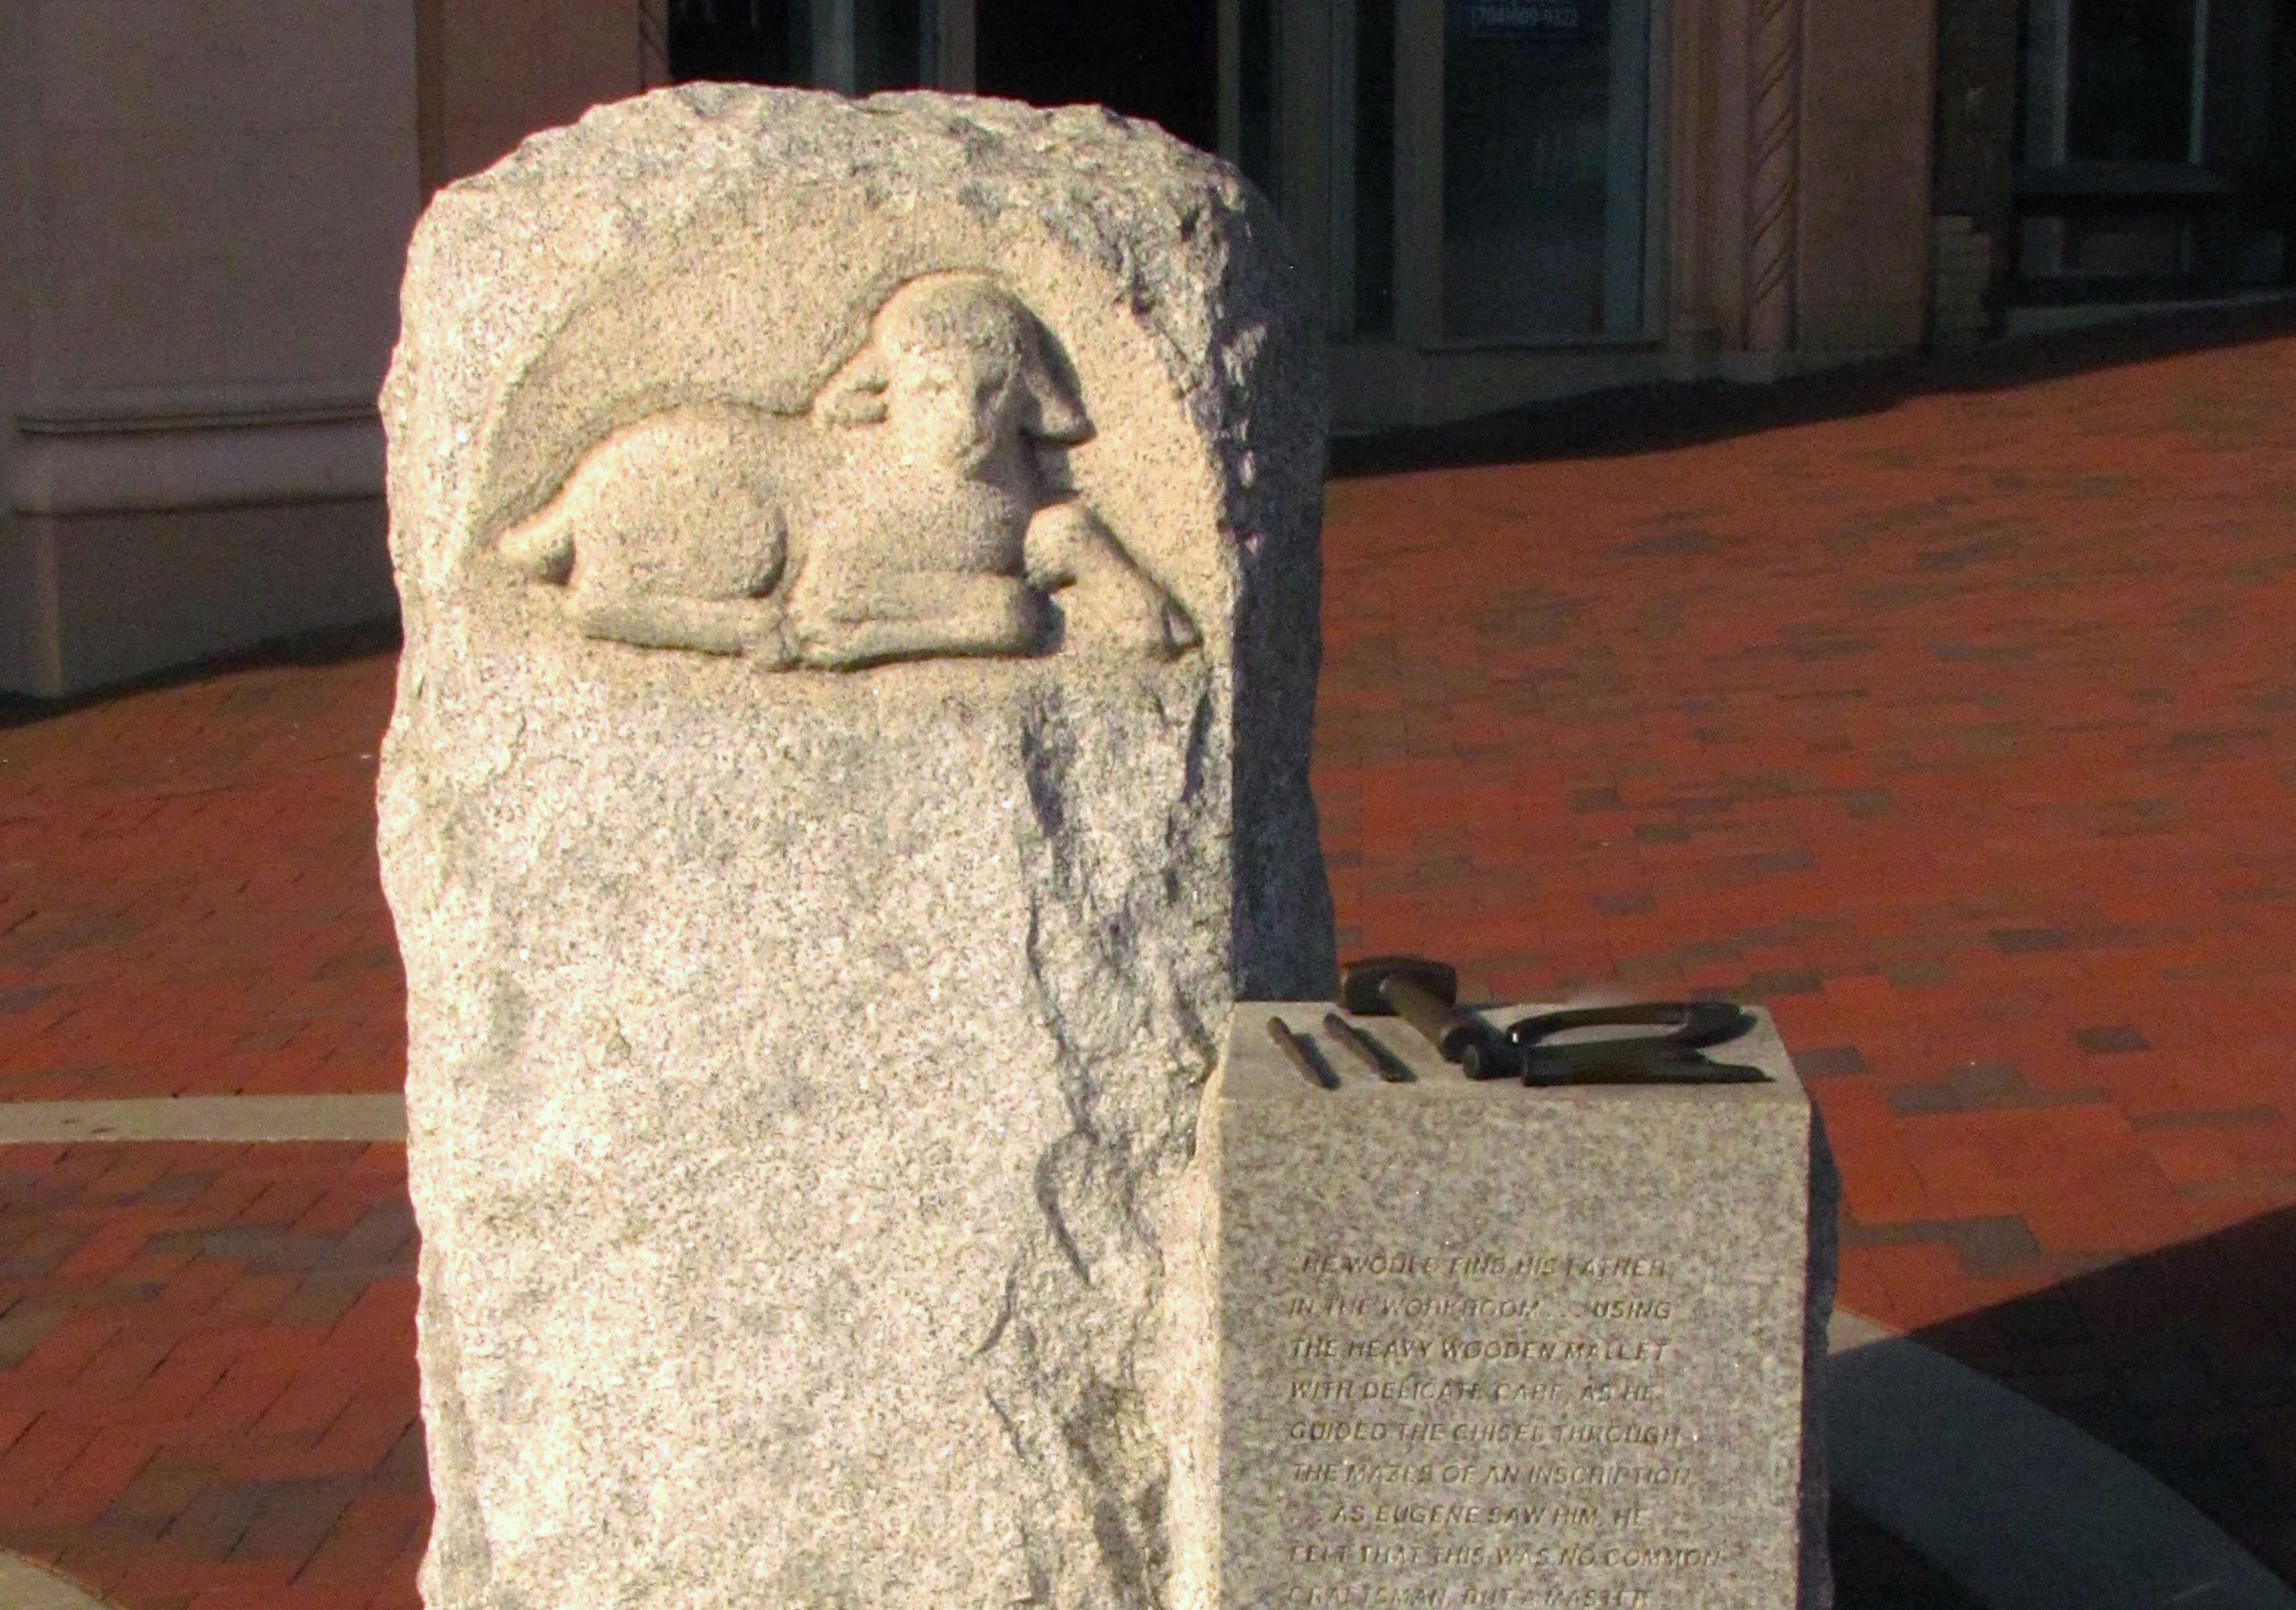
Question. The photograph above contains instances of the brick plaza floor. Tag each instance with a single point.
(1948, 710)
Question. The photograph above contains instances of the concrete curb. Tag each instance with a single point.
(221, 1118)
(2020, 1508)
(25, 1585)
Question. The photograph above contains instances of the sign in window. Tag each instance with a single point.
(1534, 19)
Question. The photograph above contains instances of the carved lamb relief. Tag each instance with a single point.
(907, 514)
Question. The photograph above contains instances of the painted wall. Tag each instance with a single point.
(1868, 101)
(23, 601)
(210, 203)
(204, 209)
(219, 195)
(494, 72)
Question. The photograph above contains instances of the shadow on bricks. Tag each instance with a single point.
(2183, 1360)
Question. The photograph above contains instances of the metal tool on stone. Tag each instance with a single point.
(1302, 1055)
(1425, 994)
(1644, 1059)
(1376, 1057)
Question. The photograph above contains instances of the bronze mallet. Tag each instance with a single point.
(1425, 994)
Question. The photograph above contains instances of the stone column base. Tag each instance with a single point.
(87, 599)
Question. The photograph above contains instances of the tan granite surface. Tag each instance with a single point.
(1484, 1345)
(860, 575)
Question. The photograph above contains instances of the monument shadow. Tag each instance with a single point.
(2183, 1360)
(1622, 422)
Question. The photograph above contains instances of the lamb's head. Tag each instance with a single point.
(957, 369)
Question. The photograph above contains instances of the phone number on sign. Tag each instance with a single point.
(1495, 16)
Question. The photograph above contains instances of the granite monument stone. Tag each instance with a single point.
(859, 575)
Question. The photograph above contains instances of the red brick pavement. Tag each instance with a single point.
(1959, 728)
(188, 903)
(207, 1374)
(1963, 734)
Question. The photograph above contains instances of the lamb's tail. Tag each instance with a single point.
(540, 547)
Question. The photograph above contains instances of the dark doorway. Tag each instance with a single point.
(796, 42)
(744, 41)
(2130, 96)
(1159, 62)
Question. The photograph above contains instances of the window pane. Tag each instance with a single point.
(745, 41)
(1158, 62)
(895, 47)
(1257, 95)
(1544, 135)
(2130, 98)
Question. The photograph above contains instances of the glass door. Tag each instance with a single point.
(2115, 80)
(1464, 173)
(1159, 62)
(1546, 132)
(2133, 81)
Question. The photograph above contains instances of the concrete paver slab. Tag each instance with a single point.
(2018, 1507)
(26, 1586)
(381, 1117)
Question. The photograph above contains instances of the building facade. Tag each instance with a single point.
(2111, 150)
(202, 220)
(203, 211)
(1501, 200)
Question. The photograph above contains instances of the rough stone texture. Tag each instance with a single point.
(1480, 1345)
(804, 1065)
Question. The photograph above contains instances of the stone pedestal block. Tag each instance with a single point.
(1478, 1344)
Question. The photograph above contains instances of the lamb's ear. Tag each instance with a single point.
(1054, 412)
(541, 547)
(855, 394)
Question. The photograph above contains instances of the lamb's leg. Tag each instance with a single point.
(919, 617)
(714, 626)
(1108, 601)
